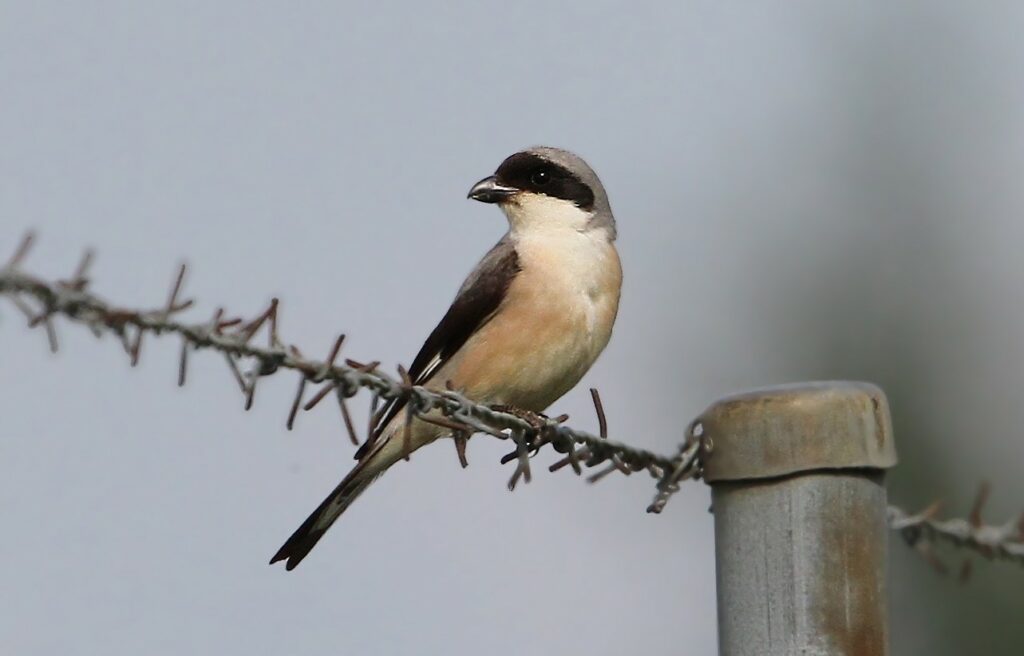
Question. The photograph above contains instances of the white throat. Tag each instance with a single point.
(529, 212)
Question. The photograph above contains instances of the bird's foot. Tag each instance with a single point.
(536, 420)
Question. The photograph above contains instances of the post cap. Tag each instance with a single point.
(786, 429)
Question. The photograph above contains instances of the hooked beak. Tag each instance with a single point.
(489, 190)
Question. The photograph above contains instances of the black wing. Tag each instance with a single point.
(475, 304)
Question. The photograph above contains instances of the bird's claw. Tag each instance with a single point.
(536, 420)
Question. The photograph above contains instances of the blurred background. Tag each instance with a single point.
(806, 190)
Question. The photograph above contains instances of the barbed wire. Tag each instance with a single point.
(234, 338)
(924, 531)
(530, 432)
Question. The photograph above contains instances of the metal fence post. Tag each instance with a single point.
(799, 501)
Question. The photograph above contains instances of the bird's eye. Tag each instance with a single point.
(540, 177)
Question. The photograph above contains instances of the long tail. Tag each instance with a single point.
(307, 535)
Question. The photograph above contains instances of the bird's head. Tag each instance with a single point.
(547, 188)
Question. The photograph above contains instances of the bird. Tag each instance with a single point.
(525, 326)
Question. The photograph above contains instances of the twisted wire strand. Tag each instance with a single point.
(233, 338)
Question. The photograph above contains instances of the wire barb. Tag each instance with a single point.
(295, 405)
(183, 363)
(346, 416)
(21, 251)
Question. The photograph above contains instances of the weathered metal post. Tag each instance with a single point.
(799, 501)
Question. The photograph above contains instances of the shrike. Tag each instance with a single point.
(526, 325)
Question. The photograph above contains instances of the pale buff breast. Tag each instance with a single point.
(554, 322)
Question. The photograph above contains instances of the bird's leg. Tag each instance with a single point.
(533, 438)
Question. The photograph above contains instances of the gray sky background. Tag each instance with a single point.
(806, 190)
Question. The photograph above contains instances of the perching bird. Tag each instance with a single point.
(526, 325)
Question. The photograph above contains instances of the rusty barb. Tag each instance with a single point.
(235, 339)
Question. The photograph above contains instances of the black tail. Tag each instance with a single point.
(307, 535)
